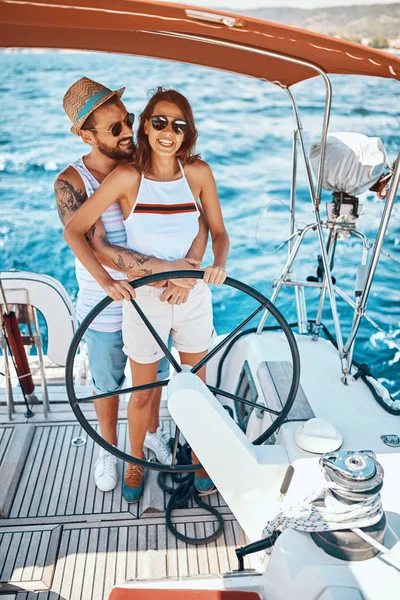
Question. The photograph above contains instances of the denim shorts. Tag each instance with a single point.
(107, 361)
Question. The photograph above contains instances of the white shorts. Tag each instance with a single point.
(190, 324)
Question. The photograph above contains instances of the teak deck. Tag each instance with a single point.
(62, 539)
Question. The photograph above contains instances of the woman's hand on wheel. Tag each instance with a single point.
(215, 275)
(118, 289)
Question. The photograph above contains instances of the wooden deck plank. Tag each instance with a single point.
(80, 563)
(5, 437)
(43, 482)
(15, 455)
(68, 486)
(183, 567)
(30, 562)
(172, 553)
(51, 555)
(21, 557)
(98, 587)
(71, 564)
(222, 552)
(34, 475)
(59, 481)
(211, 548)
(132, 554)
(110, 571)
(8, 566)
(122, 555)
(202, 556)
(41, 555)
(193, 563)
(5, 541)
(141, 548)
(53, 470)
(61, 563)
(90, 565)
(78, 485)
(14, 512)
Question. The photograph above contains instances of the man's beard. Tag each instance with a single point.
(118, 152)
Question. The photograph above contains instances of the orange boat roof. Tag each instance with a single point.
(151, 28)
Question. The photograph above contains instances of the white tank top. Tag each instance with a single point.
(164, 220)
(90, 293)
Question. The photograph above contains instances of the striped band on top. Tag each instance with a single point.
(165, 209)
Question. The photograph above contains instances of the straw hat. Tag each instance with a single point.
(83, 97)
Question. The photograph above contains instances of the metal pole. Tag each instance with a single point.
(375, 255)
(303, 148)
(315, 196)
(285, 271)
(293, 194)
(7, 370)
(355, 305)
(38, 342)
(301, 308)
(331, 248)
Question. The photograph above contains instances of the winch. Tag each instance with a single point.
(355, 478)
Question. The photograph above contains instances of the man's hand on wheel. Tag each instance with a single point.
(175, 294)
(119, 290)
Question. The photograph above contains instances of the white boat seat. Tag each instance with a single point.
(275, 378)
(49, 297)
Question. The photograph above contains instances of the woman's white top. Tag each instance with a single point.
(164, 220)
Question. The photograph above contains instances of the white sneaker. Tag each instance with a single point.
(158, 443)
(105, 473)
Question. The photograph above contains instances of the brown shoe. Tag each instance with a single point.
(202, 481)
(132, 486)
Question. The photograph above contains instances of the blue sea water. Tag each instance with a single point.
(245, 130)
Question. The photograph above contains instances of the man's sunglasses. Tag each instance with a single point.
(160, 122)
(116, 129)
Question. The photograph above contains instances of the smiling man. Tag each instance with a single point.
(100, 118)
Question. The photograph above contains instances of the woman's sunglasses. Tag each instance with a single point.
(116, 129)
(160, 122)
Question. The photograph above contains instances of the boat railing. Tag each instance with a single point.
(365, 272)
(26, 294)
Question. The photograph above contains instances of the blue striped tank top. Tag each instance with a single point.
(90, 292)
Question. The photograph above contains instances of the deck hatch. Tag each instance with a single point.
(28, 557)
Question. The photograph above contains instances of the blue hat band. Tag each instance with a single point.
(91, 102)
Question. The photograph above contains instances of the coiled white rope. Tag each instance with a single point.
(321, 511)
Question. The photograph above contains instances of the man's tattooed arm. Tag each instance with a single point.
(122, 259)
(68, 198)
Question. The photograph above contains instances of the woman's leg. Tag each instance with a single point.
(202, 481)
(192, 358)
(140, 405)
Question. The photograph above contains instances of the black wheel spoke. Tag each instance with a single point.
(136, 388)
(175, 449)
(237, 398)
(155, 335)
(225, 341)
